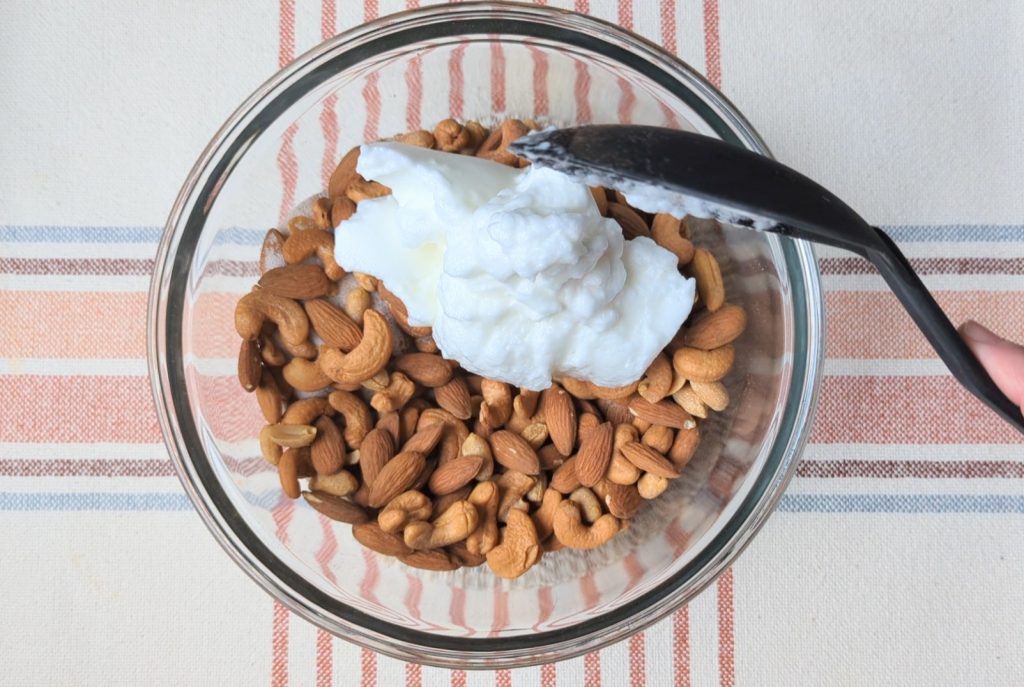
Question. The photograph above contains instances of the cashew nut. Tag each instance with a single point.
(305, 411)
(404, 508)
(397, 393)
(256, 307)
(569, 528)
(302, 243)
(341, 483)
(657, 380)
(689, 401)
(536, 434)
(476, 445)
(497, 405)
(666, 231)
(544, 516)
(358, 420)
(270, 450)
(659, 438)
(484, 538)
(305, 375)
(357, 302)
(454, 524)
(588, 503)
(366, 359)
(651, 486)
(514, 486)
(519, 549)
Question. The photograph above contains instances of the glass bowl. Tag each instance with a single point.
(405, 71)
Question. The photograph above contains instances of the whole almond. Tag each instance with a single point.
(716, 329)
(560, 417)
(335, 507)
(564, 479)
(649, 460)
(250, 365)
(268, 396)
(684, 446)
(344, 173)
(425, 369)
(288, 472)
(272, 251)
(512, 451)
(453, 396)
(328, 449)
(623, 501)
(425, 440)
(370, 535)
(397, 475)
(661, 413)
(616, 412)
(709, 279)
(594, 455)
(454, 474)
(322, 213)
(550, 457)
(430, 559)
(377, 449)
(296, 281)
(332, 324)
(633, 225)
(703, 366)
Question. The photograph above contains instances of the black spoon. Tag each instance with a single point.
(741, 187)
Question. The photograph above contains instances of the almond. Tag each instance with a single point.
(560, 417)
(661, 413)
(716, 329)
(623, 501)
(430, 559)
(564, 479)
(268, 396)
(633, 225)
(344, 173)
(550, 457)
(322, 213)
(401, 313)
(453, 396)
(659, 438)
(425, 440)
(709, 279)
(370, 535)
(332, 324)
(616, 412)
(704, 366)
(288, 471)
(335, 507)
(375, 451)
(296, 281)
(594, 455)
(328, 449)
(250, 365)
(512, 451)
(684, 446)
(649, 460)
(456, 473)
(425, 369)
(272, 251)
(397, 475)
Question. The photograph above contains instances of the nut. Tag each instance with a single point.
(536, 434)
(443, 503)
(303, 243)
(713, 394)
(256, 307)
(327, 451)
(424, 368)
(357, 302)
(359, 190)
(664, 413)
(715, 329)
(341, 483)
(291, 436)
(623, 501)
(271, 251)
(337, 329)
(268, 396)
(288, 471)
(513, 452)
(270, 352)
(370, 535)
(401, 313)
(657, 380)
(305, 375)
(497, 405)
(305, 411)
(336, 508)
(322, 213)
(425, 440)
(698, 365)
(514, 486)
(684, 447)
(366, 359)
(437, 560)
(709, 279)
(407, 507)
(666, 231)
(397, 393)
(344, 173)
(420, 139)
(651, 486)
(356, 413)
(476, 445)
(454, 474)
(544, 516)
(454, 524)
(376, 449)
(689, 401)
(398, 474)
(485, 537)
(549, 457)
(250, 365)
(633, 225)
(594, 455)
(297, 282)
(649, 460)
(519, 549)
(460, 554)
(270, 451)
(390, 423)
(453, 396)
(451, 137)
(564, 479)
(600, 199)
(588, 503)
(659, 438)
(560, 417)
(341, 209)
(569, 528)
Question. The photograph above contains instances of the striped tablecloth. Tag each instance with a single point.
(896, 557)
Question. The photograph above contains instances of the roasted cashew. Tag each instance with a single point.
(519, 549)
(256, 307)
(454, 524)
(366, 359)
(569, 528)
(404, 508)
(358, 420)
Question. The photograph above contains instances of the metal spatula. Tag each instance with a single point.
(741, 187)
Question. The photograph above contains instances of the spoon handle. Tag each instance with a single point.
(940, 332)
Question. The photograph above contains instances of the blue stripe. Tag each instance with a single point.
(994, 233)
(901, 503)
(790, 503)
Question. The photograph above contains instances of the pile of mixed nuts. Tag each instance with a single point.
(440, 467)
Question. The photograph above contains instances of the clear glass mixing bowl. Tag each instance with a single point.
(475, 61)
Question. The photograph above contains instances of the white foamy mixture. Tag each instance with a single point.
(517, 272)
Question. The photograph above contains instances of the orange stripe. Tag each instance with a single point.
(413, 675)
(637, 661)
(324, 659)
(712, 53)
(279, 647)
(592, 669)
(368, 667)
(871, 324)
(548, 675)
(63, 324)
(726, 640)
(503, 678)
(681, 647)
(458, 678)
(497, 78)
(456, 79)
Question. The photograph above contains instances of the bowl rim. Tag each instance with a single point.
(199, 478)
